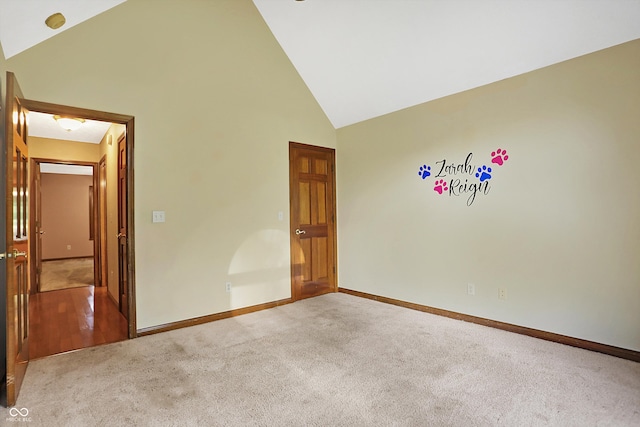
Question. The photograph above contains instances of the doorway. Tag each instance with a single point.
(63, 224)
(70, 303)
(103, 274)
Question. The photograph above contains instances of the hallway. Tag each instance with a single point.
(72, 319)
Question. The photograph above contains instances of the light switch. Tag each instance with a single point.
(158, 216)
(280, 215)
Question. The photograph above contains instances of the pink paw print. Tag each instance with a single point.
(499, 157)
(440, 186)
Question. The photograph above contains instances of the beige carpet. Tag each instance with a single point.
(66, 273)
(335, 360)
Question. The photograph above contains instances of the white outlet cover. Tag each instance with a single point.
(158, 216)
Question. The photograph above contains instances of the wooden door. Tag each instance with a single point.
(36, 224)
(313, 229)
(123, 265)
(102, 221)
(17, 243)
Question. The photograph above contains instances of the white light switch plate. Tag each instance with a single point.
(158, 216)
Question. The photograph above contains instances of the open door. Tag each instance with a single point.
(36, 225)
(123, 263)
(17, 264)
(102, 221)
(313, 226)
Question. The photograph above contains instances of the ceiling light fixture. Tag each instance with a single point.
(69, 123)
(55, 21)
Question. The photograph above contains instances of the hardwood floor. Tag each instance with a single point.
(71, 319)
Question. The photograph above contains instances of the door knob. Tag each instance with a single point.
(17, 253)
(41, 231)
(121, 235)
(298, 231)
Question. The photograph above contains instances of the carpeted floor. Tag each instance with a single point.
(335, 360)
(66, 273)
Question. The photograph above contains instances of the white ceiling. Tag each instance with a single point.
(365, 58)
(66, 169)
(44, 126)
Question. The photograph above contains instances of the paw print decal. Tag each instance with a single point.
(440, 186)
(499, 157)
(484, 173)
(424, 171)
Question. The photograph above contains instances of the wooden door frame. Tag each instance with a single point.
(128, 122)
(32, 207)
(293, 241)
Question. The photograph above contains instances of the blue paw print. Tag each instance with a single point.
(484, 173)
(424, 171)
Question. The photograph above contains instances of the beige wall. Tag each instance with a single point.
(65, 216)
(3, 85)
(216, 102)
(56, 149)
(559, 228)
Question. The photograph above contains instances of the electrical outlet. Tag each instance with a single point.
(228, 286)
(502, 293)
(471, 289)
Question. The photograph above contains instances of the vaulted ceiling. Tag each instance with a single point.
(365, 58)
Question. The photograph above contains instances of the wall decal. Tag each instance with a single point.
(440, 186)
(476, 178)
(484, 173)
(424, 171)
(499, 157)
